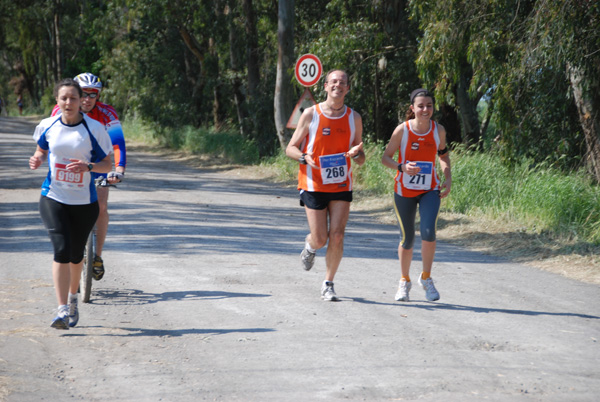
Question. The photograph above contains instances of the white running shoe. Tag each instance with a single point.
(62, 318)
(431, 292)
(327, 292)
(73, 312)
(308, 259)
(403, 290)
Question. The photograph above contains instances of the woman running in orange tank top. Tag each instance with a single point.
(419, 141)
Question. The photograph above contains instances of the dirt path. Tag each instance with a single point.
(204, 299)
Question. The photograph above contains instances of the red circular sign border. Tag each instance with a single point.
(319, 64)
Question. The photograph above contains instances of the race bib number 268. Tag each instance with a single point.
(333, 168)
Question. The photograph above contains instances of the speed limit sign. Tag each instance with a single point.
(308, 70)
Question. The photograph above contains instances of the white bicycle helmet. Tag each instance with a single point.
(89, 80)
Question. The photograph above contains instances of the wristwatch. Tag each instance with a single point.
(90, 167)
(302, 159)
(400, 167)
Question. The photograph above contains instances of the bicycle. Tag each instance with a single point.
(85, 283)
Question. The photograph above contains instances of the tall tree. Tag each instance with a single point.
(236, 58)
(547, 100)
(283, 99)
(462, 49)
(252, 48)
(587, 99)
(564, 35)
(58, 48)
(395, 71)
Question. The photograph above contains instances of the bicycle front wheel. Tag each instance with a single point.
(85, 284)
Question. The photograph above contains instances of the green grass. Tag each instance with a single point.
(227, 145)
(284, 169)
(372, 178)
(538, 198)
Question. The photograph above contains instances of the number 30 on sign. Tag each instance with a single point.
(308, 70)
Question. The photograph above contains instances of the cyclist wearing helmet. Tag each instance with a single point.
(105, 114)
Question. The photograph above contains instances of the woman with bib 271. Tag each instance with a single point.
(419, 141)
(74, 145)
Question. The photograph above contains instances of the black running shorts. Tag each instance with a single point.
(68, 227)
(320, 200)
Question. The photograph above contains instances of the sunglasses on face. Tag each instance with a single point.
(92, 95)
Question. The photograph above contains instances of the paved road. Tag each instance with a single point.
(204, 299)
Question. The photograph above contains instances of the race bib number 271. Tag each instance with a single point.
(333, 168)
(422, 180)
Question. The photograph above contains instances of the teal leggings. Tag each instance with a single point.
(406, 212)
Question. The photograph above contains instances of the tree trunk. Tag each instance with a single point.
(217, 107)
(193, 45)
(234, 63)
(194, 77)
(252, 49)
(467, 108)
(488, 117)
(196, 83)
(57, 39)
(449, 119)
(392, 15)
(218, 111)
(378, 98)
(587, 101)
(284, 91)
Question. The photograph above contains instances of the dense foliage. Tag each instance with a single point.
(520, 78)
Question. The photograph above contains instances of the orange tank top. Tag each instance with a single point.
(420, 148)
(328, 139)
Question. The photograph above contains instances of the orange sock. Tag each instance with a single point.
(406, 278)
(425, 275)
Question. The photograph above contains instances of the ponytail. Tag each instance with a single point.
(409, 114)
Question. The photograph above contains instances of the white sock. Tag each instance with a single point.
(72, 297)
(309, 248)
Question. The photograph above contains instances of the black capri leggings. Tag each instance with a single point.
(406, 212)
(68, 227)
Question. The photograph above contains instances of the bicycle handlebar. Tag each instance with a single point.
(103, 182)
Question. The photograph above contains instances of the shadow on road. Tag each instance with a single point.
(139, 297)
(134, 332)
(195, 228)
(457, 307)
